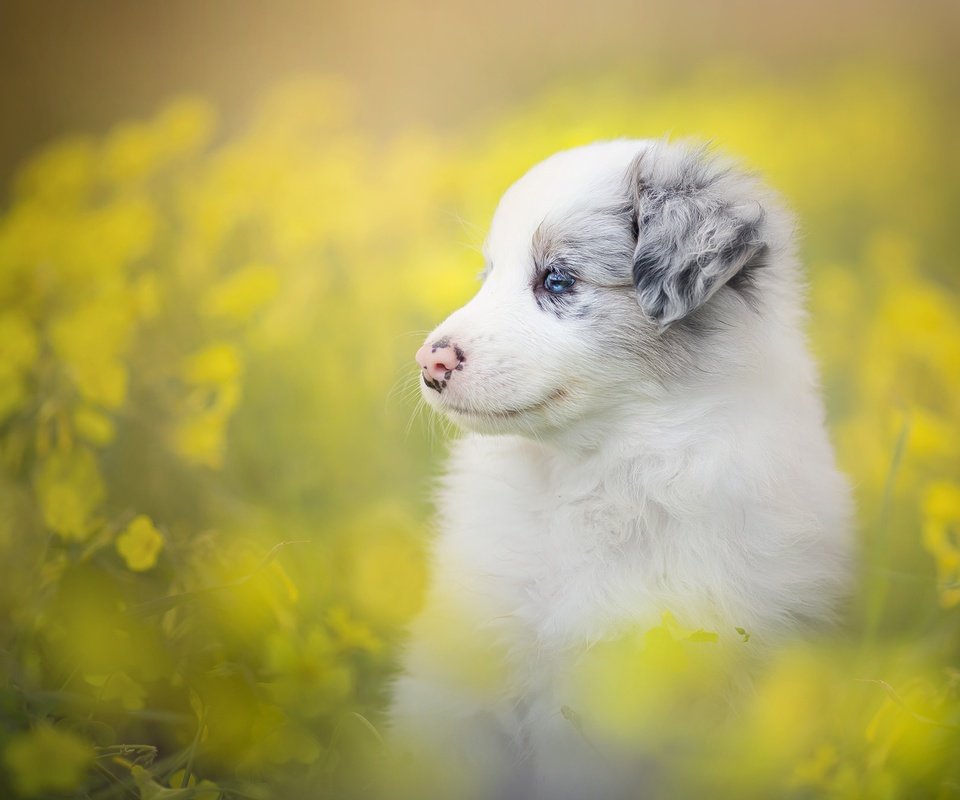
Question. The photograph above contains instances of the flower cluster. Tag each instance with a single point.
(207, 461)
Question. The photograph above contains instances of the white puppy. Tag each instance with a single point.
(645, 435)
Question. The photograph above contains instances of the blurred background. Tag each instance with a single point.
(225, 228)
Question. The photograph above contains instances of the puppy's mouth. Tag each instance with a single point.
(503, 413)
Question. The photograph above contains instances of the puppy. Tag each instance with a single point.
(644, 437)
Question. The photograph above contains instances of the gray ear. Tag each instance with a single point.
(696, 229)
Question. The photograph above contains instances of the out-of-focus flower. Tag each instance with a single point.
(635, 686)
(140, 544)
(350, 632)
(69, 490)
(216, 364)
(93, 425)
(200, 432)
(47, 759)
(941, 537)
(13, 391)
(131, 153)
(18, 339)
(18, 349)
(389, 573)
(63, 175)
(90, 341)
(306, 672)
(242, 293)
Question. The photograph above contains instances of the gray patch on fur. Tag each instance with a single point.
(696, 230)
(593, 245)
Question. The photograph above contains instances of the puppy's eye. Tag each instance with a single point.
(557, 282)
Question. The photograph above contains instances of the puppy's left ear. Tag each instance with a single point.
(695, 229)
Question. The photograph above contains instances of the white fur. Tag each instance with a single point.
(667, 471)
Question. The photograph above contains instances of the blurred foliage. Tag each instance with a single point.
(214, 501)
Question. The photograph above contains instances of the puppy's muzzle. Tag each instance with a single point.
(438, 361)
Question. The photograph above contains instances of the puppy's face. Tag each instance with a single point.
(593, 258)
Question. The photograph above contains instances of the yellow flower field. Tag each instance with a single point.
(214, 484)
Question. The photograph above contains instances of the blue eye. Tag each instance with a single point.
(557, 282)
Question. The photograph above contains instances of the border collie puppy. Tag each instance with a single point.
(644, 436)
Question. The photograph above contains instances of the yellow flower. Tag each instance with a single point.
(140, 544)
(13, 392)
(47, 759)
(62, 175)
(941, 537)
(131, 153)
(242, 293)
(218, 363)
(199, 440)
(102, 380)
(199, 436)
(69, 489)
(941, 502)
(389, 574)
(18, 339)
(94, 426)
(89, 340)
(647, 678)
(350, 632)
(307, 673)
(931, 434)
(815, 770)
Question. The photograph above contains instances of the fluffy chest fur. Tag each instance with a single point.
(714, 529)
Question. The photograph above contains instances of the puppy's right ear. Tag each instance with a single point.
(692, 233)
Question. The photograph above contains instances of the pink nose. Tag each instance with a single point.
(439, 360)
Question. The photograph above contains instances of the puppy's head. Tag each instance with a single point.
(612, 271)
